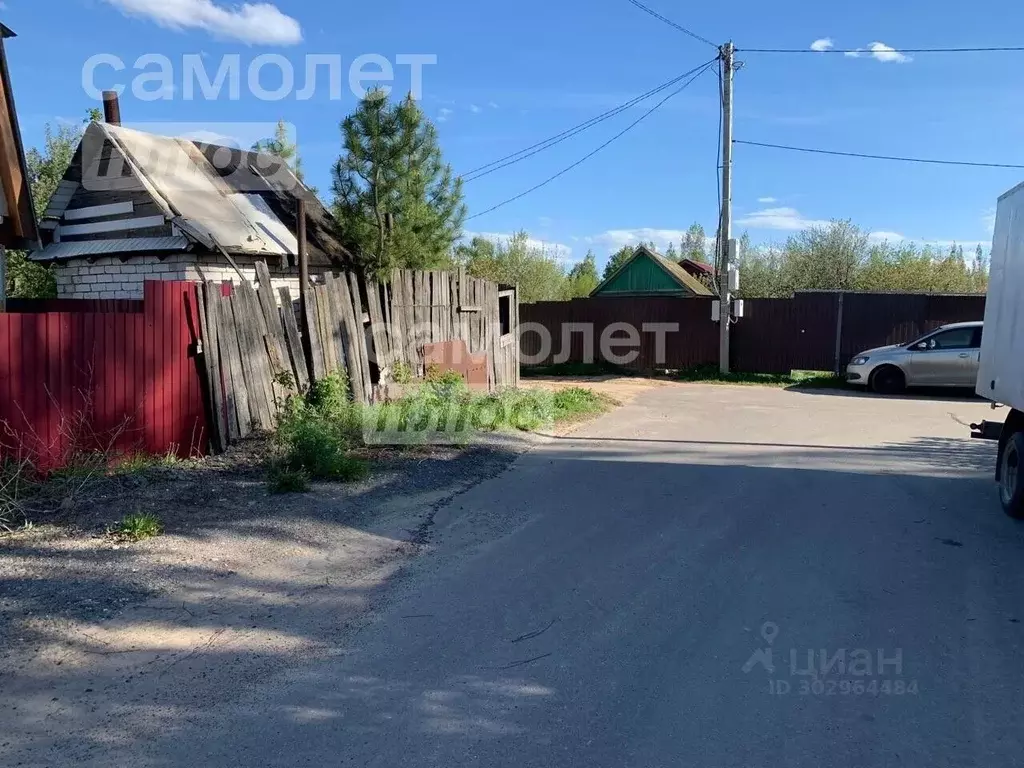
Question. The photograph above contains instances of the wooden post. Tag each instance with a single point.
(303, 254)
(111, 108)
(838, 368)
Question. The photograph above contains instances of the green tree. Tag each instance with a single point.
(826, 257)
(46, 167)
(672, 254)
(583, 278)
(763, 274)
(283, 147)
(538, 274)
(617, 259)
(396, 201)
(694, 245)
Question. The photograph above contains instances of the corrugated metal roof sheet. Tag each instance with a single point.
(681, 275)
(187, 181)
(74, 250)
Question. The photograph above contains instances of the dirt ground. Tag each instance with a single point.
(237, 569)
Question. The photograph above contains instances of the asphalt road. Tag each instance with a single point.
(617, 598)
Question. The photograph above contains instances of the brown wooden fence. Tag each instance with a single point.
(813, 330)
(258, 351)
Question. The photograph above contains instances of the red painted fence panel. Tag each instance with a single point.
(91, 379)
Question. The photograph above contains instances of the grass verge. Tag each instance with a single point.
(324, 435)
(579, 370)
(800, 379)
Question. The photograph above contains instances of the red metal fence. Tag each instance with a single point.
(816, 331)
(86, 379)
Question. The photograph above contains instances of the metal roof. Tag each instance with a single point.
(681, 275)
(72, 250)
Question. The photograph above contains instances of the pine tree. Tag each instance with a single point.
(396, 199)
(617, 259)
(282, 146)
(671, 253)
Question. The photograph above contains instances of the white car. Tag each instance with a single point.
(947, 357)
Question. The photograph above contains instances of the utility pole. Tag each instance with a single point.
(725, 225)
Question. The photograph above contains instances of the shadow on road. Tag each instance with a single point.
(937, 394)
(562, 594)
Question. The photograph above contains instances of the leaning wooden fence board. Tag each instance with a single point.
(258, 353)
(364, 357)
(295, 351)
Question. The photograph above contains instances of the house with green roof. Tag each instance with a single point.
(648, 273)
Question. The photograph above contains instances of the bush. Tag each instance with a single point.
(330, 396)
(316, 433)
(281, 479)
(445, 387)
(401, 373)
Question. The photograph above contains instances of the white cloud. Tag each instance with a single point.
(767, 200)
(786, 219)
(880, 52)
(614, 239)
(989, 220)
(883, 237)
(824, 44)
(560, 251)
(249, 22)
(895, 238)
(443, 114)
(885, 53)
(492, 105)
(475, 109)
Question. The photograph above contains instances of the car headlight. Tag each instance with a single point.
(860, 360)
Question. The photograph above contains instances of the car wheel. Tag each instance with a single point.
(1011, 487)
(888, 380)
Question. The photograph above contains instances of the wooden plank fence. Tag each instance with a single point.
(259, 351)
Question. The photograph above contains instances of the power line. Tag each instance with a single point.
(586, 157)
(869, 51)
(540, 146)
(671, 23)
(876, 157)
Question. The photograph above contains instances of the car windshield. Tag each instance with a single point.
(948, 338)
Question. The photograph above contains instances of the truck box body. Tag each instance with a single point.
(1001, 376)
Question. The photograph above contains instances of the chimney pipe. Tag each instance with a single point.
(111, 108)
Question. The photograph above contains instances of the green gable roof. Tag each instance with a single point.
(649, 273)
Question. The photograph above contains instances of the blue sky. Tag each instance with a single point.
(511, 74)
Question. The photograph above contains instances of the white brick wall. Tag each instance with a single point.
(213, 269)
(110, 278)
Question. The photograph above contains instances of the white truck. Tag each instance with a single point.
(1001, 374)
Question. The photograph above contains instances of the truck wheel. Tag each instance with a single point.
(888, 380)
(1011, 481)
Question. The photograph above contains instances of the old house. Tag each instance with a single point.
(17, 219)
(648, 273)
(135, 206)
